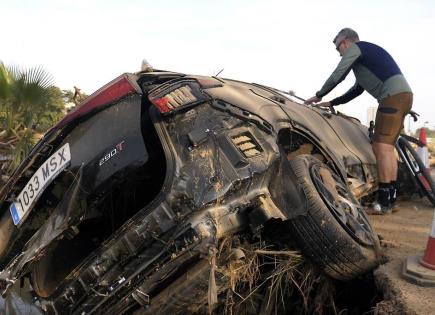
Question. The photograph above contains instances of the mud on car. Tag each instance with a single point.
(138, 185)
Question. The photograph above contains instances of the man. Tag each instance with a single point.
(377, 73)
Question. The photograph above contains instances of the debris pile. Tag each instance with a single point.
(255, 278)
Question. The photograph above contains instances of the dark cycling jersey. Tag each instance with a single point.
(375, 71)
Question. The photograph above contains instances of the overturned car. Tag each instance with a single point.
(136, 187)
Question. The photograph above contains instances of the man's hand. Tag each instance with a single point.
(325, 105)
(312, 100)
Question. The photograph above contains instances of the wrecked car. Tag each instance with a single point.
(135, 188)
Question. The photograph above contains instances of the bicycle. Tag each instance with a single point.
(421, 177)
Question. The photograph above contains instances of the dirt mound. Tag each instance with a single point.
(403, 233)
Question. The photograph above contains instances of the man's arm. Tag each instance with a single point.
(353, 92)
(349, 58)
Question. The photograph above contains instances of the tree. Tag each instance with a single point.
(53, 110)
(28, 101)
(430, 133)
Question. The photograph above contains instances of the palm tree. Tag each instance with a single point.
(24, 96)
(5, 92)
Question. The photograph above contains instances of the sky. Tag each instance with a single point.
(283, 44)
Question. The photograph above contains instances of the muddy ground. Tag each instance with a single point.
(403, 233)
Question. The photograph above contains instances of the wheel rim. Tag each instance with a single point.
(339, 201)
(419, 174)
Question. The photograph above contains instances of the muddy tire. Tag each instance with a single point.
(335, 233)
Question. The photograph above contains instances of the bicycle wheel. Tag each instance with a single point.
(417, 169)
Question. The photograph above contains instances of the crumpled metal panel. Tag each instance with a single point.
(19, 301)
(66, 215)
(340, 135)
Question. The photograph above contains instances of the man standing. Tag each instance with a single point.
(377, 73)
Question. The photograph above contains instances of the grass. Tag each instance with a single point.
(270, 278)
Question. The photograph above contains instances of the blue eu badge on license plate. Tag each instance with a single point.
(14, 213)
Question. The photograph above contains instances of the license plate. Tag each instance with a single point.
(45, 174)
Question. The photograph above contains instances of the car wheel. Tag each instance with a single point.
(335, 233)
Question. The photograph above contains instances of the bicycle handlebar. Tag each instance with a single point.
(414, 115)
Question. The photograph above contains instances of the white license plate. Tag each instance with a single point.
(39, 181)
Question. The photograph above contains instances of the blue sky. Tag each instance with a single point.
(285, 44)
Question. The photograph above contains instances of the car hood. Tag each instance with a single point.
(342, 135)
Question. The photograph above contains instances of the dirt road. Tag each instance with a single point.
(404, 233)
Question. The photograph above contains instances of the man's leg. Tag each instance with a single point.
(387, 166)
(394, 163)
(386, 162)
(389, 120)
(393, 182)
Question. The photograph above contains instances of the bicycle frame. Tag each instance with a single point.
(415, 169)
(403, 158)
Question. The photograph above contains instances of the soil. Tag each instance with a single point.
(403, 233)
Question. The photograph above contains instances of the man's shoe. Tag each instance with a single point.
(378, 209)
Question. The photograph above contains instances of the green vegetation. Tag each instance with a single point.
(29, 105)
(430, 133)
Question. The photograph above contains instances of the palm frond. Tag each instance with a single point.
(35, 75)
(5, 81)
(30, 88)
(27, 99)
(39, 77)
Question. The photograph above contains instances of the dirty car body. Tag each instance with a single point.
(135, 187)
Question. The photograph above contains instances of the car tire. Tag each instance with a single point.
(343, 245)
